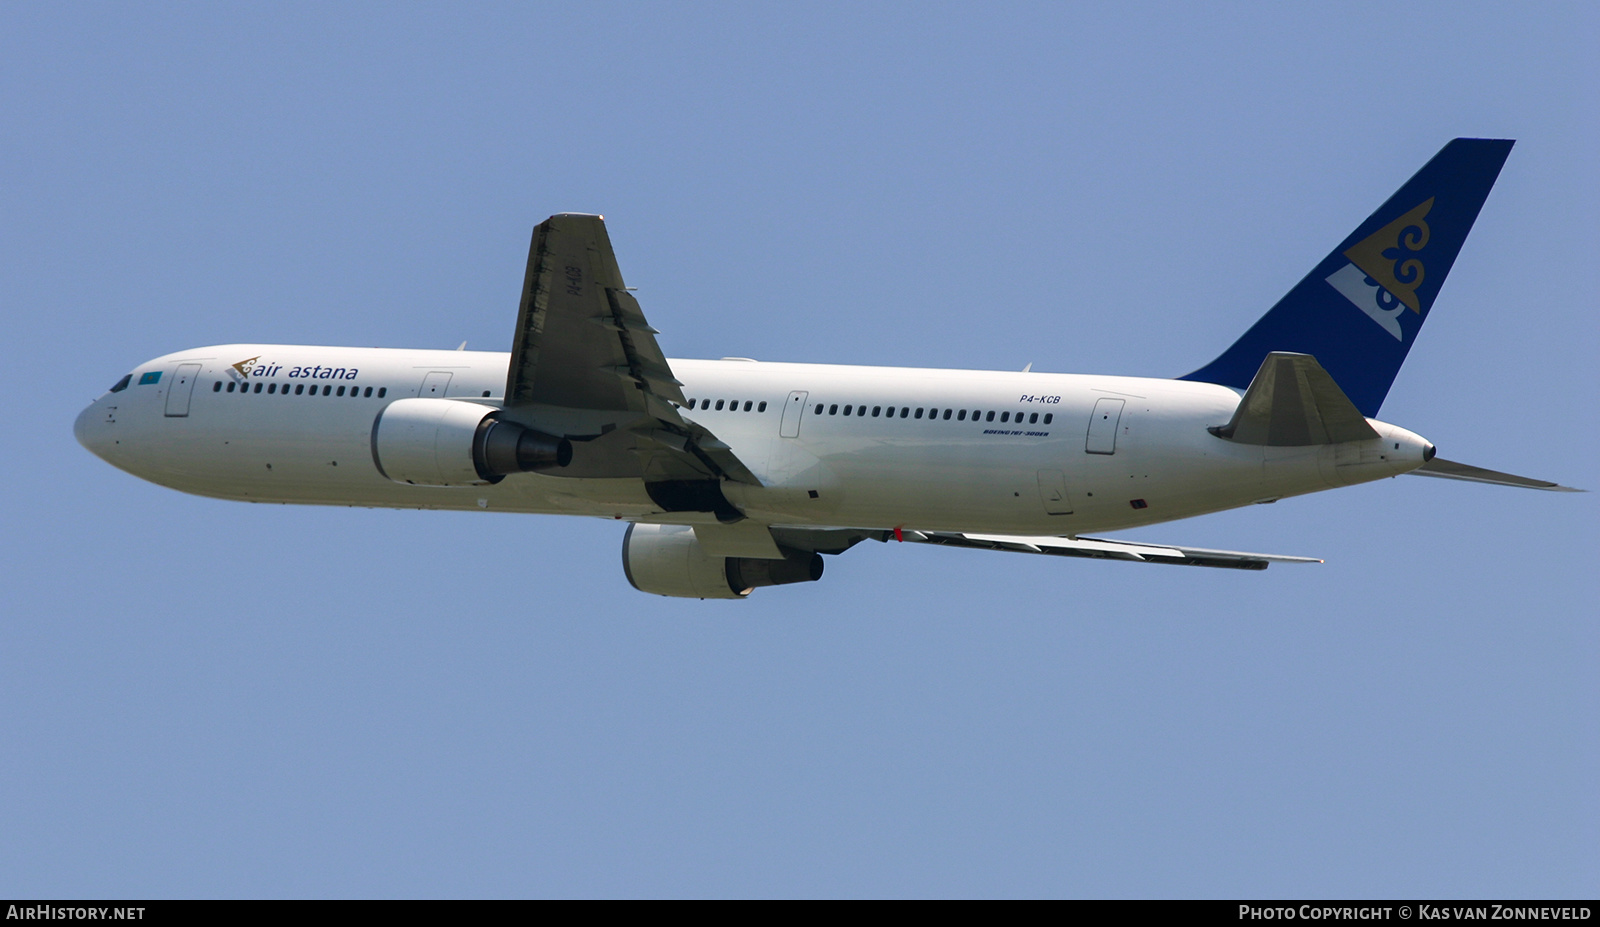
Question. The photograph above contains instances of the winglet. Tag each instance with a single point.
(1293, 402)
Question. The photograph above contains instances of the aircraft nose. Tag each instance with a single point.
(91, 430)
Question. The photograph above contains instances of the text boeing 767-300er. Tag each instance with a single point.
(735, 474)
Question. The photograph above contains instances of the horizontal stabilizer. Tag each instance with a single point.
(1292, 402)
(1106, 549)
(1450, 470)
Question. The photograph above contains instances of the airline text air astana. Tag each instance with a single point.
(735, 474)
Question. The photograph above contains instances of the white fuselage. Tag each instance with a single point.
(1048, 454)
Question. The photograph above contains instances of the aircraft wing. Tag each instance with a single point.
(1106, 549)
(584, 354)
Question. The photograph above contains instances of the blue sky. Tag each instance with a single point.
(207, 698)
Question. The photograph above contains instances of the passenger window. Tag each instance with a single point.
(719, 405)
(1004, 416)
(230, 387)
(1033, 419)
(762, 407)
(861, 411)
(989, 417)
(258, 387)
(847, 409)
(747, 405)
(919, 413)
(326, 390)
(272, 388)
(691, 405)
(947, 415)
(961, 416)
(382, 391)
(1048, 416)
(833, 409)
(905, 411)
(876, 410)
(486, 394)
(818, 409)
(299, 388)
(216, 387)
(122, 384)
(368, 394)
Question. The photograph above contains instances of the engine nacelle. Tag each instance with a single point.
(668, 560)
(447, 442)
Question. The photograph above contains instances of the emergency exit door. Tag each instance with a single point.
(793, 409)
(435, 384)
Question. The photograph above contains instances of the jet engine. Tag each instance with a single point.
(447, 442)
(668, 560)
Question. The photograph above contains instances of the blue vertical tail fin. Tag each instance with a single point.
(1360, 310)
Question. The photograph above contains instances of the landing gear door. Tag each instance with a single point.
(793, 409)
(181, 389)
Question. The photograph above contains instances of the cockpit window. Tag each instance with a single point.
(122, 384)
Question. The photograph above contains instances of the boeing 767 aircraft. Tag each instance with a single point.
(734, 474)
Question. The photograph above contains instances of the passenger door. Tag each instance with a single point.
(1103, 423)
(181, 389)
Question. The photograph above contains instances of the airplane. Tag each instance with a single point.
(735, 474)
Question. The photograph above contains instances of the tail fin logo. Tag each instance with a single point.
(1390, 255)
(1386, 268)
